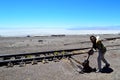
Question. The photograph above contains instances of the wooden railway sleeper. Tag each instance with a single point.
(34, 62)
(44, 61)
(10, 64)
(22, 64)
(55, 59)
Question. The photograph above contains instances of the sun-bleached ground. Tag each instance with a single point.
(62, 70)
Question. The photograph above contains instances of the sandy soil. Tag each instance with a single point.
(62, 70)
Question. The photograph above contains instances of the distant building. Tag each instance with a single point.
(58, 35)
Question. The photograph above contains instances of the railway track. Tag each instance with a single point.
(44, 57)
(22, 59)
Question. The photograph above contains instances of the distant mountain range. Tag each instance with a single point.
(96, 28)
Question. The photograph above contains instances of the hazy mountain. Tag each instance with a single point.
(96, 28)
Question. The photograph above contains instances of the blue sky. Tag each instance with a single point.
(59, 14)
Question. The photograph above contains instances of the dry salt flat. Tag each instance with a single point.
(61, 70)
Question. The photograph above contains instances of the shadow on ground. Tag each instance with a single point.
(104, 70)
(107, 70)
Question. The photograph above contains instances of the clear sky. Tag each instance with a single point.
(63, 14)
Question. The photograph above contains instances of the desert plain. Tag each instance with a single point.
(61, 70)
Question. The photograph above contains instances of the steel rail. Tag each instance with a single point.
(66, 54)
(60, 56)
(49, 52)
(68, 50)
(39, 53)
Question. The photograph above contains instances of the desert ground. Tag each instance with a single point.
(61, 70)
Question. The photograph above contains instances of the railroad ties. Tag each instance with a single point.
(34, 58)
